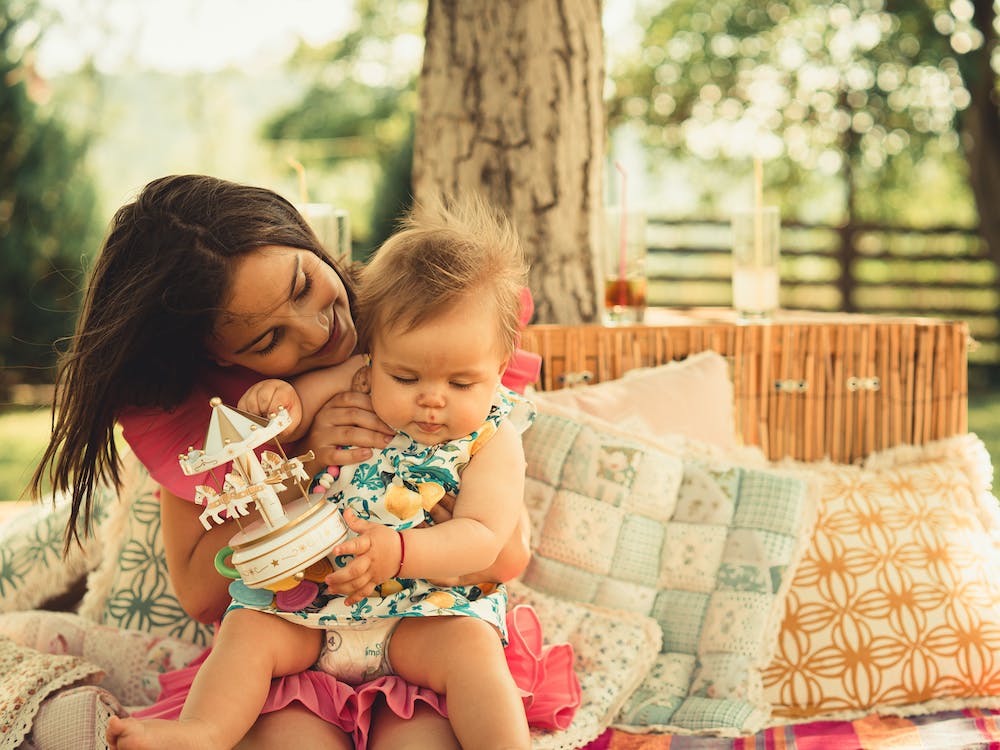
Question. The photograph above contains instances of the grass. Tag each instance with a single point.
(25, 431)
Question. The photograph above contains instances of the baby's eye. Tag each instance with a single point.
(462, 386)
(401, 379)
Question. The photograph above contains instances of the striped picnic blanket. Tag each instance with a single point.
(968, 729)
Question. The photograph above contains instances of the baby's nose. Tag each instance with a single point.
(431, 398)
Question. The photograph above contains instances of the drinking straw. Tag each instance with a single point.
(301, 171)
(622, 234)
(758, 207)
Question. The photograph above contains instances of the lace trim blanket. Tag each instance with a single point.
(28, 677)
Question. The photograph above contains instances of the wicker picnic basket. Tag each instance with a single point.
(807, 385)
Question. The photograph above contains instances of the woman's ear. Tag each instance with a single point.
(223, 362)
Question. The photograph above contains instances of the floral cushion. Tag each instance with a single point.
(706, 548)
(131, 588)
(32, 566)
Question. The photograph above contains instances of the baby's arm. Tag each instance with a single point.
(488, 511)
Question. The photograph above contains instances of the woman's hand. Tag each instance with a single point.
(346, 419)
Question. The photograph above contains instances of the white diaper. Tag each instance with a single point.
(358, 653)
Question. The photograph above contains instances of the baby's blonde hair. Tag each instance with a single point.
(445, 252)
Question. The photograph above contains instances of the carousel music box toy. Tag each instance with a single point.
(281, 555)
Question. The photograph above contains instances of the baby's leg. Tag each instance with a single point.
(231, 686)
(462, 658)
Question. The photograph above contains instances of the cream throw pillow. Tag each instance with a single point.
(692, 397)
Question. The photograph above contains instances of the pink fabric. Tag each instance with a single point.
(158, 437)
(524, 367)
(544, 675)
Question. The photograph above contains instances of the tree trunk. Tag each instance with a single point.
(511, 106)
(981, 129)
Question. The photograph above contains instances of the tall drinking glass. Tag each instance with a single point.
(756, 249)
(624, 267)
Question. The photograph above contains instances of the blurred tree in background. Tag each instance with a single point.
(360, 106)
(48, 221)
(896, 99)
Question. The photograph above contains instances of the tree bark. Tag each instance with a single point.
(511, 106)
(981, 129)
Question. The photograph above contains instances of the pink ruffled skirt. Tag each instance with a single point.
(543, 673)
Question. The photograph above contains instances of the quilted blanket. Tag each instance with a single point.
(970, 729)
(27, 677)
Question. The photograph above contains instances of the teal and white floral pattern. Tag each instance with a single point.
(364, 489)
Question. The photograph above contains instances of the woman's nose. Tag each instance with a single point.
(314, 330)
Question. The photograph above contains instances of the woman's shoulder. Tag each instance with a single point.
(158, 436)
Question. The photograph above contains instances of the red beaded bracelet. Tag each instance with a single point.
(402, 553)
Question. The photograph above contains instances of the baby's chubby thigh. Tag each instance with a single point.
(290, 647)
(429, 651)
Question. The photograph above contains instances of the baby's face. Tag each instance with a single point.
(436, 382)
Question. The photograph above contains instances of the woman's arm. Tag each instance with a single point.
(303, 397)
(190, 551)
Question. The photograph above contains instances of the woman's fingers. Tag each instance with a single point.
(331, 455)
(444, 509)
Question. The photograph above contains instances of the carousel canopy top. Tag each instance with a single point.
(231, 433)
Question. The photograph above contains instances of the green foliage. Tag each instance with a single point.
(359, 108)
(47, 213)
(868, 92)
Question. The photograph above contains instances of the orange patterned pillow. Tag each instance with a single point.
(897, 599)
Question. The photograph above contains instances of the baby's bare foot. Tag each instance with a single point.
(157, 734)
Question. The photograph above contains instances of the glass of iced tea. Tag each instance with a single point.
(624, 267)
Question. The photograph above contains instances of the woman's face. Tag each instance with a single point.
(286, 312)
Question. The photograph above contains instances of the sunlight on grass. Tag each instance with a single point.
(23, 435)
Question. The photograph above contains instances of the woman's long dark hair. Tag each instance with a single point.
(151, 302)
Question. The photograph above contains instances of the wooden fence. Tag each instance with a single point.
(940, 272)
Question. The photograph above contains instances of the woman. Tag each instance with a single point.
(202, 288)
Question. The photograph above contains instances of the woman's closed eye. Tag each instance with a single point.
(306, 286)
(276, 335)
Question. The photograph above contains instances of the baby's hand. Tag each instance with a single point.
(376, 550)
(267, 396)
